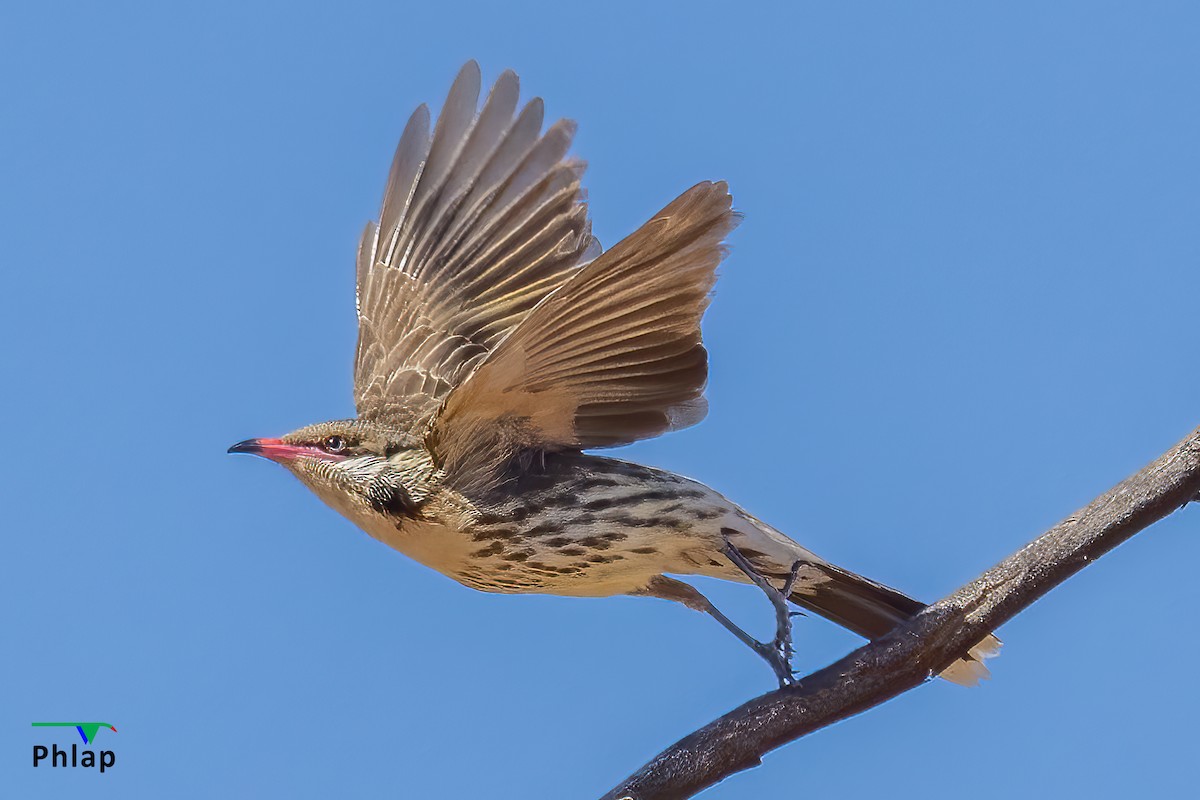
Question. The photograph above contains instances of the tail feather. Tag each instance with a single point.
(971, 670)
(872, 610)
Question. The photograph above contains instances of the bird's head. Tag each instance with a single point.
(356, 466)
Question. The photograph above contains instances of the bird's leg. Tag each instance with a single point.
(777, 659)
(680, 592)
(780, 657)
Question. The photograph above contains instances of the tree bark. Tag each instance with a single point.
(928, 643)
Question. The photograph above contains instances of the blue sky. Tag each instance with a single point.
(962, 303)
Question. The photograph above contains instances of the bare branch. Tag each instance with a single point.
(933, 639)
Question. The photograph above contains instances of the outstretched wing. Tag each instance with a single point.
(613, 356)
(480, 221)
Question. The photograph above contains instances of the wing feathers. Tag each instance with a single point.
(488, 315)
(612, 356)
(480, 221)
(406, 169)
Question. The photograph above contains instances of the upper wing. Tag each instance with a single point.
(480, 221)
(613, 356)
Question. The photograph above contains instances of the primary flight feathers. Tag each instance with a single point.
(480, 221)
(482, 273)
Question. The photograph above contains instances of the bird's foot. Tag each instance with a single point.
(778, 653)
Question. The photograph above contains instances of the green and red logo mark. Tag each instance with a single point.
(86, 729)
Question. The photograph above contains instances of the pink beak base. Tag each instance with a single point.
(274, 449)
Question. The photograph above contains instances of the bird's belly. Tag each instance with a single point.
(570, 552)
(582, 561)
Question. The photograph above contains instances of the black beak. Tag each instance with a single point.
(251, 446)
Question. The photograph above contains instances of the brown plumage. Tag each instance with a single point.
(497, 342)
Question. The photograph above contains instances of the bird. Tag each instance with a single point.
(499, 345)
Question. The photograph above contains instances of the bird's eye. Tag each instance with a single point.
(335, 444)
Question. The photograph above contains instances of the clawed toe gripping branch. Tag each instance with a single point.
(778, 653)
